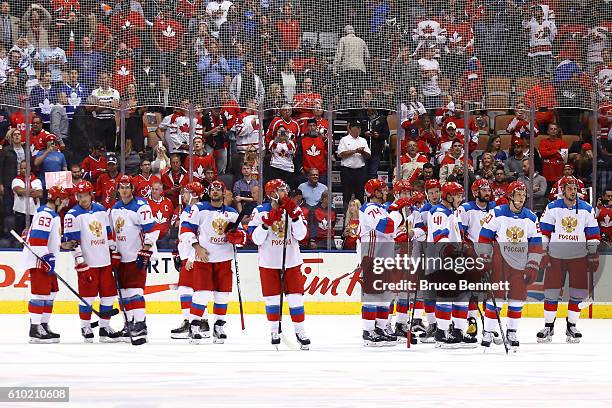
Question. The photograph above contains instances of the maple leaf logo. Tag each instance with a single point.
(313, 151)
(169, 32)
(428, 30)
(146, 191)
(455, 38)
(606, 222)
(126, 24)
(159, 216)
(123, 71)
(199, 171)
(74, 99)
(45, 107)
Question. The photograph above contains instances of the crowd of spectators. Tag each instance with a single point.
(164, 73)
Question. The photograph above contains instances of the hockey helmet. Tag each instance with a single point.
(374, 184)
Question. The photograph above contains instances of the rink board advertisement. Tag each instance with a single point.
(332, 286)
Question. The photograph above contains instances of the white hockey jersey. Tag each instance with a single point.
(206, 225)
(247, 132)
(569, 233)
(185, 250)
(517, 234)
(91, 229)
(270, 241)
(44, 236)
(444, 225)
(376, 232)
(134, 226)
(472, 218)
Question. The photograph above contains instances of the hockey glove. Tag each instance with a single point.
(399, 204)
(531, 272)
(177, 261)
(83, 272)
(401, 238)
(115, 260)
(545, 262)
(142, 260)
(48, 265)
(274, 215)
(291, 207)
(237, 237)
(592, 262)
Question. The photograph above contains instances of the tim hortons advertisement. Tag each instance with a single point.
(332, 286)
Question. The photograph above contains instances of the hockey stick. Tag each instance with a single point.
(501, 329)
(284, 338)
(409, 334)
(122, 305)
(101, 315)
(238, 287)
(232, 226)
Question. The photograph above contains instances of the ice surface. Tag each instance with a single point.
(336, 372)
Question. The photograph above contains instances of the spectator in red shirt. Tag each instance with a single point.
(106, 186)
(127, 27)
(351, 225)
(94, 164)
(543, 98)
(314, 150)
(553, 151)
(289, 32)
(499, 184)
(174, 179)
(201, 160)
(284, 120)
(318, 223)
(519, 125)
(568, 170)
(412, 162)
(143, 182)
(162, 210)
(604, 215)
(305, 101)
(167, 34)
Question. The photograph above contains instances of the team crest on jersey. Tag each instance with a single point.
(483, 221)
(569, 224)
(219, 225)
(515, 234)
(96, 228)
(119, 224)
(278, 229)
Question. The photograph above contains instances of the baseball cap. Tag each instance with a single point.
(450, 125)
(112, 159)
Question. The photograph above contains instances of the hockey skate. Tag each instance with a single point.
(205, 329)
(418, 327)
(446, 340)
(87, 334)
(54, 336)
(303, 340)
(275, 340)
(372, 339)
(465, 341)
(219, 335)
(181, 332)
(401, 330)
(139, 333)
(572, 334)
(38, 335)
(487, 339)
(195, 336)
(513, 342)
(108, 335)
(429, 335)
(124, 334)
(389, 339)
(545, 335)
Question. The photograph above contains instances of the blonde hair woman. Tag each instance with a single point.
(351, 225)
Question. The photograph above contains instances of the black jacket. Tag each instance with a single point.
(8, 166)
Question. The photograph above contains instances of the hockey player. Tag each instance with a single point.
(377, 241)
(433, 191)
(87, 229)
(515, 228)
(135, 234)
(267, 229)
(44, 239)
(204, 231)
(571, 235)
(445, 230)
(189, 196)
(404, 232)
(472, 216)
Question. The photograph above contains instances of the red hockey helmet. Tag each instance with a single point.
(56, 192)
(83, 186)
(125, 180)
(567, 180)
(450, 188)
(417, 199)
(402, 186)
(216, 185)
(374, 184)
(514, 186)
(478, 184)
(432, 183)
(195, 187)
(273, 185)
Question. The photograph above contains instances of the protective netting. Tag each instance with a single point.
(131, 76)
